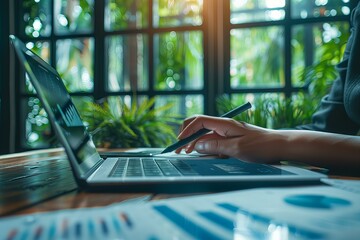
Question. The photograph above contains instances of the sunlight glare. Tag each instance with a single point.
(345, 10)
(239, 4)
(37, 24)
(275, 4)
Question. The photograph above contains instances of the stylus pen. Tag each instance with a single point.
(203, 131)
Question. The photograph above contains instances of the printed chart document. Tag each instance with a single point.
(347, 185)
(317, 212)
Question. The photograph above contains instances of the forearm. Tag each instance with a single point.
(322, 149)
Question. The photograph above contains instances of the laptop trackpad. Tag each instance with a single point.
(211, 167)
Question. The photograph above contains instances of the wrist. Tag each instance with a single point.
(284, 145)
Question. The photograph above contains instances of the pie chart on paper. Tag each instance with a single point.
(316, 201)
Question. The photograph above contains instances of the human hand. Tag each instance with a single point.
(232, 138)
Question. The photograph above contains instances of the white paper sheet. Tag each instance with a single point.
(347, 185)
(320, 212)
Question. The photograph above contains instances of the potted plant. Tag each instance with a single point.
(114, 124)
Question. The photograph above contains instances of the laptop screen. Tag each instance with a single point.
(65, 117)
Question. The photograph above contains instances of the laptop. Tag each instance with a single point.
(158, 173)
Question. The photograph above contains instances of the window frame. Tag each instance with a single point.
(5, 83)
(288, 23)
(215, 28)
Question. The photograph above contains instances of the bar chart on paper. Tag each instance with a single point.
(321, 213)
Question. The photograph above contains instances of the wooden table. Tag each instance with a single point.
(41, 180)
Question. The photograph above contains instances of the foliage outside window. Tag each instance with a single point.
(274, 110)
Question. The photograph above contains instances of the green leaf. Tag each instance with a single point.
(118, 125)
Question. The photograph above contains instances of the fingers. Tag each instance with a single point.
(216, 146)
(186, 122)
(190, 147)
(211, 144)
(223, 126)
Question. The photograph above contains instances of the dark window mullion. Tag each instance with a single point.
(58, 37)
(52, 46)
(52, 36)
(288, 19)
(151, 47)
(209, 57)
(155, 92)
(5, 119)
(226, 46)
(287, 49)
(17, 85)
(100, 78)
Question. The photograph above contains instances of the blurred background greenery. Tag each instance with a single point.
(279, 55)
(275, 111)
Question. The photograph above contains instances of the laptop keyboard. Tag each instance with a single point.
(151, 167)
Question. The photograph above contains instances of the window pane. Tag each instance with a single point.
(125, 14)
(268, 109)
(73, 16)
(273, 110)
(37, 18)
(257, 57)
(43, 50)
(125, 123)
(319, 8)
(81, 104)
(74, 62)
(40, 48)
(169, 13)
(117, 103)
(319, 45)
(305, 105)
(179, 61)
(127, 62)
(183, 106)
(256, 10)
(37, 125)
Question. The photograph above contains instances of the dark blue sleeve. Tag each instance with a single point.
(339, 111)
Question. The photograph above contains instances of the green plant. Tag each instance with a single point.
(114, 124)
(276, 111)
(256, 115)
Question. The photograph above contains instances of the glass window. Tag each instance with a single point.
(43, 50)
(256, 10)
(179, 60)
(81, 104)
(74, 62)
(168, 49)
(73, 16)
(126, 14)
(319, 8)
(264, 107)
(127, 57)
(37, 18)
(182, 105)
(257, 57)
(40, 48)
(320, 43)
(170, 13)
(37, 126)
